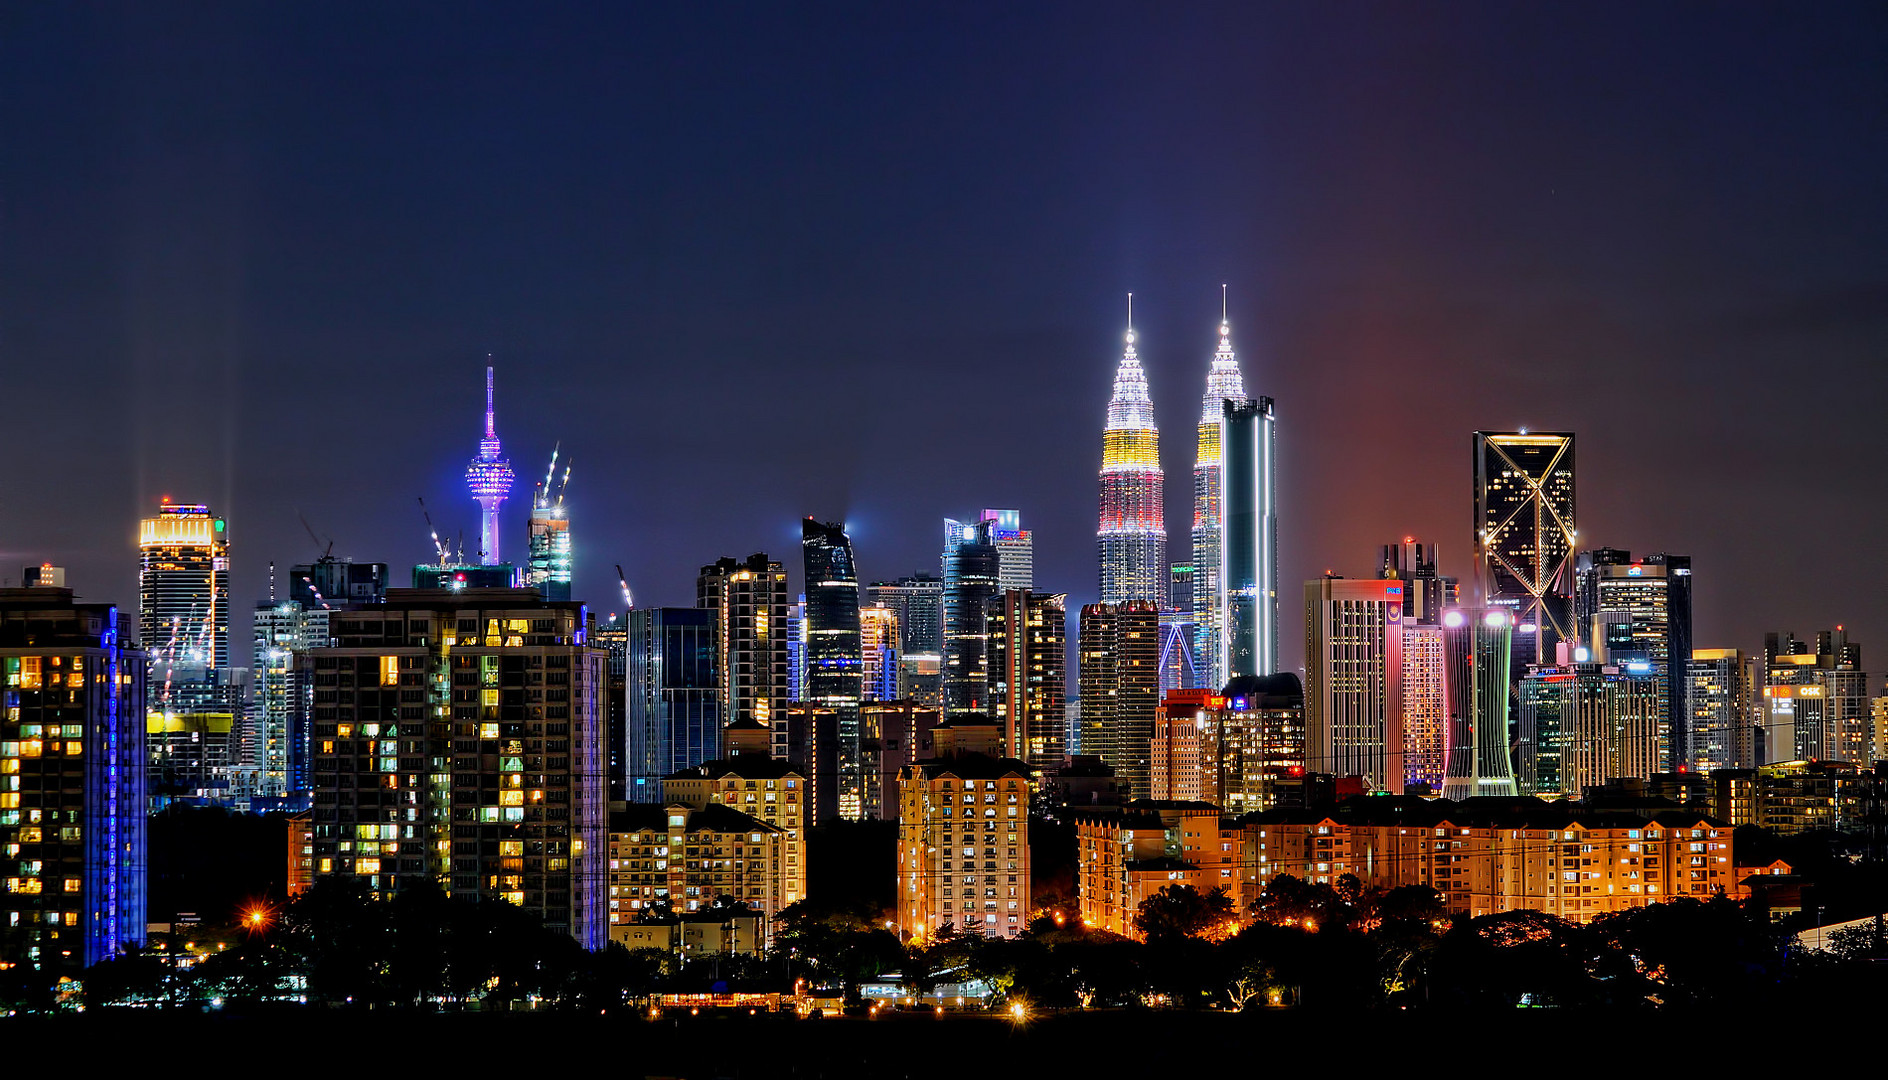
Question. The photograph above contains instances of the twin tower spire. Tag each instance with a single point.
(1133, 534)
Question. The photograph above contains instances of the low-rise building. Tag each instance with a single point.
(1127, 854)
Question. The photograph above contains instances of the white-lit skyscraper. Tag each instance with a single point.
(1223, 383)
(550, 566)
(1249, 565)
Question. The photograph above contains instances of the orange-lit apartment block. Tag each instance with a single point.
(1127, 854)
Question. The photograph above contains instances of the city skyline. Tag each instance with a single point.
(209, 285)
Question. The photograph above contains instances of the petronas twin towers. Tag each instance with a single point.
(1235, 590)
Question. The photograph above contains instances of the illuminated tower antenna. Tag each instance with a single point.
(489, 479)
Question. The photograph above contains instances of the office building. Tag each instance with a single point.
(1525, 536)
(612, 636)
(894, 734)
(489, 478)
(972, 567)
(1177, 670)
(1118, 675)
(878, 649)
(1639, 612)
(807, 737)
(459, 741)
(749, 600)
(1477, 648)
(918, 603)
(1583, 726)
(183, 587)
(1250, 536)
(457, 575)
(674, 717)
(1425, 592)
(1132, 537)
(1354, 680)
(1015, 549)
(796, 649)
(1232, 749)
(332, 582)
(834, 655)
(1029, 674)
(963, 847)
(1815, 700)
(1425, 707)
(1719, 691)
(1207, 597)
(72, 781)
(1180, 589)
(549, 568)
(276, 751)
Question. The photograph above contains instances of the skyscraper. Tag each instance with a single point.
(1223, 384)
(1015, 549)
(1133, 533)
(1815, 700)
(834, 655)
(1119, 679)
(183, 587)
(1719, 697)
(1425, 706)
(1639, 612)
(1524, 535)
(275, 752)
(1029, 673)
(1354, 680)
(1250, 537)
(72, 759)
(550, 565)
(675, 696)
(918, 602)
(878, 643)
(1426, 593)
(489, 479)
(749, 600)
(972, 566)
(1478, 647)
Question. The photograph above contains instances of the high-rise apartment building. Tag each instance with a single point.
(489, 478)
(1118, 676)
(1478, 649)
(768, 791)
(549, 569)
(1354, 680)
(1719, 695)
(972, 567)
(834, 659)
(459, 741)
(1249, 496)
(1231, 749)
(1029, 674)
(749, 600)
(276, 750)
(1132, 537)
(72, 782)
(1815, 700)
(878, 650)
(1524, 535)
(918, 602)
(1208, 594)
(963, 847)
(675, 696)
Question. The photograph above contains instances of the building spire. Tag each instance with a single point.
(490, 431)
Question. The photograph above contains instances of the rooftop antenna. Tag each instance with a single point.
(1130, 312)
(1222, 302)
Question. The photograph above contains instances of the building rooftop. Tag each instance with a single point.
(654, 817)
(1522, 812)
(745, 766)
(972, 767)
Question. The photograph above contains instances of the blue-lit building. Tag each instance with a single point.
(1250, 476)
(674, 688)
(72, 754)
(972, 566)
(834, 650)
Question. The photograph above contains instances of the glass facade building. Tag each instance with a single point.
(1250, 562)
(972, 566)
(1524, 535)
(675, 696)
(834, 652)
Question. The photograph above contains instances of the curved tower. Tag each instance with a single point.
(489, 479)
(1133, 533)
(1223, 384)
(1477, 646)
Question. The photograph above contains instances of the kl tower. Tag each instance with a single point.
(489, 479)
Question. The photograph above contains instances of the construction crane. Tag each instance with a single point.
(439, 547)
(622, 579)
(327, 552)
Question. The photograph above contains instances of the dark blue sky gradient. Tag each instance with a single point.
(752, 263)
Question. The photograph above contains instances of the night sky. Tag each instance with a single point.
(754, 263)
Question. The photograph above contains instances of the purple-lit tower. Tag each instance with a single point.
(489, 479)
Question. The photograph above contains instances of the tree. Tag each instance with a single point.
(1181, 911)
